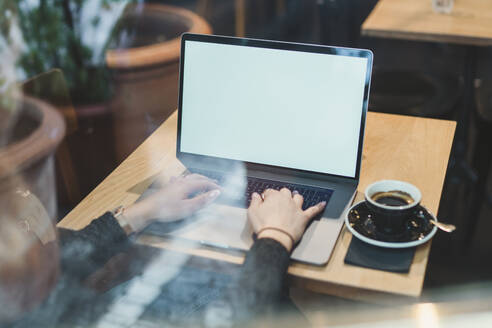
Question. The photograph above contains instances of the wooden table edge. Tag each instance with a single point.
(426, 37)
(314, 284)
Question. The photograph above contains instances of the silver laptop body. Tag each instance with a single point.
(286, 112)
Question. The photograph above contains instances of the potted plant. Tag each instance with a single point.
(143, 57)
(71, 35)
(30, 131)
(115, 111)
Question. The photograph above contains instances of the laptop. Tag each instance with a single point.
(271, 114)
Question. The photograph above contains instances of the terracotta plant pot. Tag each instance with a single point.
(28, 153)
(145, 71)
(28, 259)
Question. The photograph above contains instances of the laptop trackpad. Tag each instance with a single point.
(220, 226)
(318, 242)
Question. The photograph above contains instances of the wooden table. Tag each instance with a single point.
(470, 22)
(396, 147)
(468, 25)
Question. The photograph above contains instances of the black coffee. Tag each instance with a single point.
(392, 198)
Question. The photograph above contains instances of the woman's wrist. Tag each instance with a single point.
(134, 218)
(283, 238)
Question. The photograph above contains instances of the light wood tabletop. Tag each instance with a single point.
(396, 147)
(469, 23)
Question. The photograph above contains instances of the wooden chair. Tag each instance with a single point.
(240, 11)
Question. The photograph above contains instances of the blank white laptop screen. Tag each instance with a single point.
(291, 109)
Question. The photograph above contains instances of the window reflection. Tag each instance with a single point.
(83, 83)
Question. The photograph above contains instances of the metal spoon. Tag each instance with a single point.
(443, 226)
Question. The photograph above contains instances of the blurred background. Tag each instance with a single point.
(108, 71)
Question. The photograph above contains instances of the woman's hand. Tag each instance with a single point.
(279, 215)
(172, 202)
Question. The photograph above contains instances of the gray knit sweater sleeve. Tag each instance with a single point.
(260, 289)
(84, 251)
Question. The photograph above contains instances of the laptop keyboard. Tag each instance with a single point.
(312, 195)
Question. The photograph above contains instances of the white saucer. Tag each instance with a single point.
(379, 243)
